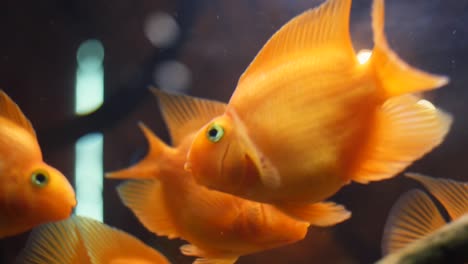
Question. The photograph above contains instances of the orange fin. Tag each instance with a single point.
(54, 243)
(148, 167)
(145, 200)
(186, 114)
(191, 250)
(314, 32)
(317, 214)
(412, 217)
(406, 128)
(452, 195)
(394, 74)
(105, 244)
(11, 111)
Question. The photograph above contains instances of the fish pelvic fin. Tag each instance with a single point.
(11, 111)
(394, 75)
(148, 167)
(412, 217)
(205, 257)
(406, 128)
(145, 200)
(54, 243)
(185, 114)
(317, 214)
(451, 194)
(105, 243)
(321, 32)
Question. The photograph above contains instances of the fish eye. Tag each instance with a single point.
(40, 178)
(215, 132)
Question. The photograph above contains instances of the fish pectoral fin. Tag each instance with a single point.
(104, 243)
(145, 199)
(406, 128)
(205, 257)
(262, 168)
(451, 194)
(11, 111)
(186, 114)
(395, 75)
(412, 217)
(317, 214)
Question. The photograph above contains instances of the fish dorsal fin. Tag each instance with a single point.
(186, 114)
(146, 201)
(394, 74)
(54, 243)
(106, 244)
(314, 33)
(11, 111)
(317, 214)
(406, 128)
(148, 167)
(451, 194)
(412, 217)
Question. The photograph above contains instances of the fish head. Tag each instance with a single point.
(218, 157)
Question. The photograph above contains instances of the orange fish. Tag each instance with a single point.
(415, 215)
(306, 117)
(218, 226)
(81, 240)
(31, 192)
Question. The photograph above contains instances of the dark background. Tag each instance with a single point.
(218, 39)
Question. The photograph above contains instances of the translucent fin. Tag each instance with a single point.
(394, 74)
(317, 30)
(191, 250)
(54, 243)
(145, 200)
(11, 111)
(148, 167)
(406, 128)
(412, 217)
(452, 195)
(227, 260)
(186, 114)
(106, 244)
(317, 214)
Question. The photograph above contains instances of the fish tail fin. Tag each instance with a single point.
(317, 214)
(412, 217)
(395, 76)
(148, 167)
(406, 128)
(145, 200)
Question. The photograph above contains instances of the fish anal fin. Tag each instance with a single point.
(317, 214)
(145, 200)
(186, 114)
(11, 111)
(227, 260)
(452, 195)
(412, 217)
(395, 75)
(322, 32)
(205, 257)
(406, 128)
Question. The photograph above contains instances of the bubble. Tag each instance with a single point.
(161, 29)
(172, 75)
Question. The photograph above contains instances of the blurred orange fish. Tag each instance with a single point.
(415, 215)
(31, 192)
(307, 118)
(220, 227)
(81, 240)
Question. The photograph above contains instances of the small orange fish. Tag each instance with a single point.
(306, 117)
(219, 227)
(81, 240)
(415, 215)
(31, 192)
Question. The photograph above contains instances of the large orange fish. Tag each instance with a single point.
(31, 192)
(81, 240)
(218, 226)
(307, 118)
(415, 215)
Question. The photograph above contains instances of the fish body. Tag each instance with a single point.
(82, 240)
(32, 192)
(306, 117)
(219, 227)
